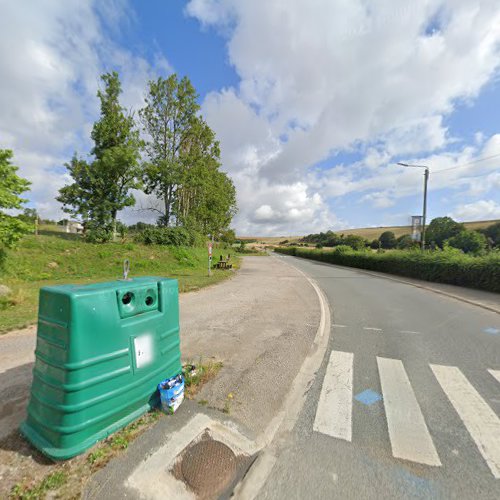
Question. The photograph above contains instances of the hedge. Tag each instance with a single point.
(438, 266)
(172, 236)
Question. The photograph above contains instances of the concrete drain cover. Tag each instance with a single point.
(208, 467)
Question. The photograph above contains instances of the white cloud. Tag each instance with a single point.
(480, 210)
(322, 77)
(51, 56)
(316, 79)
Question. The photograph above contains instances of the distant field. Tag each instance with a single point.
(370, 233)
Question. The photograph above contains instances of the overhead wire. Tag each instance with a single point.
(467, 164)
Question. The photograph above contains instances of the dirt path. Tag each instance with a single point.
(260, 324)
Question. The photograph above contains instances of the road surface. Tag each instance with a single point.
(406, 403)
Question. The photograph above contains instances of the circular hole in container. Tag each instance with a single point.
(127, 298)
(149, 300)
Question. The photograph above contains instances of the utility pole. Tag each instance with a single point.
(424, 214)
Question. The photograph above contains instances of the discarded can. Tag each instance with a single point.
(189, 371)
(171, 393)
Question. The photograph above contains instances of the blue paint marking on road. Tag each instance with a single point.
(492, 331)
(418, 487)
(368, 397)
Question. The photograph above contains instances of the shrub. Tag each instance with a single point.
(388, 240)
(328, 239)
(406, 241)
(354, 241)
(469, 242)
(493, 234)
(228, 236)
(444, 267)
(171, 236)
(341, 249)
(95, 233)
(441, 229)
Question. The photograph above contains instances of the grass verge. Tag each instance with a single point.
(68, 479)
(54, 259)
(203, 373)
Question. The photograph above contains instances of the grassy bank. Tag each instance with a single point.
(442, 267)
(59, 258)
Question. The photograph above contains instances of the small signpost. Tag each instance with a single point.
(416, 227)
(209, 258)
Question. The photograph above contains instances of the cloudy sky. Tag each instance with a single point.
(314, 101)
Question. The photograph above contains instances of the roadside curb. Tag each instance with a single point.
(435, 290)
(416, 285)
(440, 292)
(270, 440)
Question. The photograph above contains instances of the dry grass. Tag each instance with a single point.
(370, 233)
(68, 479)
(205, 371)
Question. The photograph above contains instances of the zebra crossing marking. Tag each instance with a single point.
(408, 432)
(495, 373)
(334, 411)
(479, 419)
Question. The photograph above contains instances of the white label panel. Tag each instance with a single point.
(143, 348)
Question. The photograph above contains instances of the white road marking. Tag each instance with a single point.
(334, 412)
(371, 328)
(495, 373)
(479, 419)
(339, 326)
(408, 432)
(407, 331)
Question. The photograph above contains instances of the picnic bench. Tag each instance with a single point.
(224, 263)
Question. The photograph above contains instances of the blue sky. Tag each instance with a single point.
(313, 102)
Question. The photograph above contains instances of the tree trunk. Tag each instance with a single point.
(113, 216)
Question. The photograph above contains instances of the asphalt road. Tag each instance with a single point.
(406, 403)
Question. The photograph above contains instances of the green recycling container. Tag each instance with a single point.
(101, 351)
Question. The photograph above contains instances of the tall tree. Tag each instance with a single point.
(11, 187)
(167, 117)
(78, 198)
(206, 197)
(102, 187)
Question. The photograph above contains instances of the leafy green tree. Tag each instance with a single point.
(183, 168)
(101, 188)
(468, 241)
(441, 229)
(328, 239)
(79, 198)
(11, 187)
(331, 239)
(167, 118)
(493, 233)
(388, 240)
(355, 242)
(29, 215)
(205, 197)
(228, 236)
(139, 226)
(405, 242)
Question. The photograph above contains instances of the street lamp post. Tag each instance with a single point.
(424, 215)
